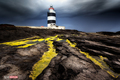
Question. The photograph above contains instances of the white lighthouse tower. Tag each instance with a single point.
(51, 17)
(51, 21)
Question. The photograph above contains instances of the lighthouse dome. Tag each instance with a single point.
(51, 9)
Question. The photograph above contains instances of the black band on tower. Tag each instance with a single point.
(51, 21)
(51, 14)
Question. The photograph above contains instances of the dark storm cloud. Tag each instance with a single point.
(93, 7)
(17, 9)
(27, 9)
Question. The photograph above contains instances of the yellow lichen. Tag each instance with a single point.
(22, 42)
(43, 63)
(46, 58)
(25, 46)
(98, 60)
(72, 45)
(101, 57)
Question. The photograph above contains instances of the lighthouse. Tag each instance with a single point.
(51, 17)
(51, 21)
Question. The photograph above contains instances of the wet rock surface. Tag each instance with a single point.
(69, 64)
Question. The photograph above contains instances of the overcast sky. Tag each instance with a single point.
(82, 15)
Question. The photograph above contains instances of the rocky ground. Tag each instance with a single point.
(96, 56)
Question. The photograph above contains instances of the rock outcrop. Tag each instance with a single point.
(80, 55)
